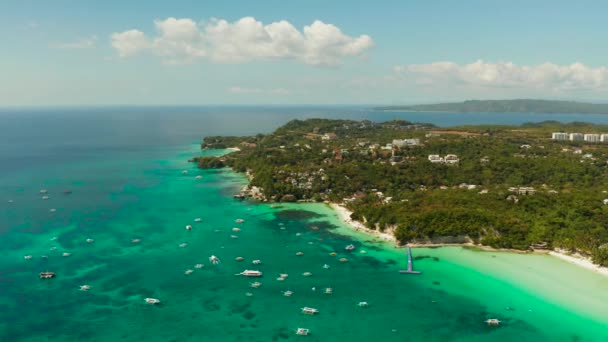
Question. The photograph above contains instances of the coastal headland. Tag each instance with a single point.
(500, 187)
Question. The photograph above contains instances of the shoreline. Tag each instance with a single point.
(576, 259)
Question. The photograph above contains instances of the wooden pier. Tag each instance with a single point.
(410, 265)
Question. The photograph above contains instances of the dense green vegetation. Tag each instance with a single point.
(399, 189)
(508, 106)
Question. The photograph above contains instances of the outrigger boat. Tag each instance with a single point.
(85, 287)
(326, 266)
(492, 321)
(66, 254)
(214, 260)
(256, 262)
(198, 219)
(350, 247)
(239, 220)
(362, 304)
(255, 285)
(152, 300)
(302, 331)
(199, 177)
(287, 293)
(309, 311)
(198, 266)
(329, 290)
(250, 273)
(47, 275)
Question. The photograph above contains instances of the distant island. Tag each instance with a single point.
(507, 106)
(528, 187)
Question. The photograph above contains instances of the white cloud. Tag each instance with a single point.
(246, 90)
(247, 39)
(546, 76)
(84, 43)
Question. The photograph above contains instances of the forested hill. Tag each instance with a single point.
(500, 186)
(508, 106)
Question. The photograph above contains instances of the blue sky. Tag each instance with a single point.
(288, 52)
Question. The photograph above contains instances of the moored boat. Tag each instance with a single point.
(349, 247)
(287, 293)
(188, 227)
(255, 285)
(363, 304)
(492, 321)
(214, 260)
(47, 275)
(250, 273)
(85, 287)
(302, 331)
(309, 311)
(152, 300)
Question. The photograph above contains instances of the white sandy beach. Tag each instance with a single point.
(576, 259)
(579, 260)
(344, 215)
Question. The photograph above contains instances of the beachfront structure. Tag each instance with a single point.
(435, 158)
(592, 138)
(523, 190)
(405, 142)
(603, 138)
(576, 137)
(448, 159)
(559, 136)
(451, 159)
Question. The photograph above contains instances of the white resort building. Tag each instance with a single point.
(576, 137)
(593, 138)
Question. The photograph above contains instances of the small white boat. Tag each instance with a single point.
(54, 238)
(44, 191)
(185, 172)
(10, 201)
(236, 230)
(45, 197)
(199, 177)
(282, 228)
(188, 227)
(363, 252)
(298, 234)
(217, 231)
(326, 266)
(152, 300)
(239, 220)
(248, 294)
(329, 290)
(234, 237)
(280, 278)
(214, 260)
(198, 266)
(302, 331)
(362, 304)
(307, 274)
(255, 285)
(299, 254)
(53, 248)
(27, 257)
(343, 260)
(256, 262)
(250, 273)
(198, 219)
(188, 272)
(287, 293)
(52, 210)
(90, 240)
(182, 245)
(66, 254)
(350, 247)
(309, 311)
(492, 321)
(85, 287)
(283, 275)
(135, 240)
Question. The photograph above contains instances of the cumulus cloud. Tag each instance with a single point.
(247, 39)
(546, 76)
(84, 43)
(246, 90)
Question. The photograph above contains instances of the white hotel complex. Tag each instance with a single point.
(592, 138)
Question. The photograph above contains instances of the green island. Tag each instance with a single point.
(507, 106)
(510, 187)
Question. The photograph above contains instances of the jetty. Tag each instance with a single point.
(410, 264)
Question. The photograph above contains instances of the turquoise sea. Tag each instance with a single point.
(125, 169)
